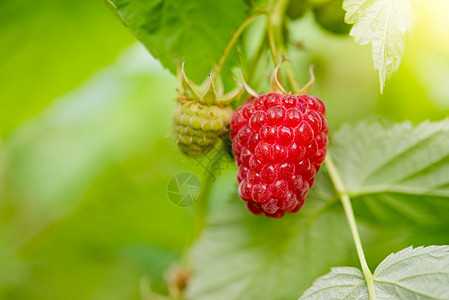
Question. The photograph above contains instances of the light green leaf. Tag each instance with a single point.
(339, 283)
(383, 24)
(420, 273)
(242, 256)
(395, 175)
(196, 30)
(414, 273)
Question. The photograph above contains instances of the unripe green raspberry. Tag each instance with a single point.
(197, 126)
(202, 115)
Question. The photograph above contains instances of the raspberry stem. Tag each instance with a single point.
(276, 16)
(276, 10)
(276, 13)
(346, 201)
(233, 40)
(272, 42)
(290, 72)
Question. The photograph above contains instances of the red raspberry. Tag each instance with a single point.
(279, 143)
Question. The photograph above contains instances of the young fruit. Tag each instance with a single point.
(279, 142)
(297, 8)
(202, 115)
(331, 17)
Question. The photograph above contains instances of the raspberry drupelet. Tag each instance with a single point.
(279, 142)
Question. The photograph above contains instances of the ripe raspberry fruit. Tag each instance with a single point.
(279, 142)
(202, 116)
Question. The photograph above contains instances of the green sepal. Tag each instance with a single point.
(276, 86)
(229, 97)
(189, 90)
(209, 92)
(309, 85)
(209, 96)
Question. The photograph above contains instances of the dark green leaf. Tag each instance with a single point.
(196, 30)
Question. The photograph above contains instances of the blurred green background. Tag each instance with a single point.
(86, 152)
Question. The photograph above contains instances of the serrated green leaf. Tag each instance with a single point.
(396, 174)
(414, 274)
(339, 283)
(383, 24)
(196, 30)
(420, 273)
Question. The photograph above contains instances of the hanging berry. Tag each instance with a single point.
(279, 141)
(202, 116)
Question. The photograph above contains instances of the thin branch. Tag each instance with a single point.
(345, 200)
(233, 40)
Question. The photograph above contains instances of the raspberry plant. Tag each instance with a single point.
(391, 180)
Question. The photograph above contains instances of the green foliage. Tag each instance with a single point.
(420, 273)
(84, 212)
(388, 171)
(197, 31)
(243, 256)
(383, 24)
(283, 255)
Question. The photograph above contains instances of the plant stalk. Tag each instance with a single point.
(231, 43)
(291, 74)
(276, 14)
(276, 19)
(345, 200)
(272, 42)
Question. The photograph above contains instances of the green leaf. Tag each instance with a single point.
(196, 30)
(252, 257)
(396, 174)
(383, 24)
(339, 283)
(245, 256)
(420, 273)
